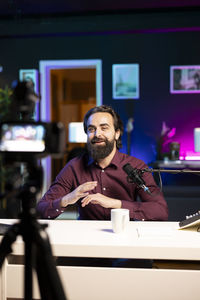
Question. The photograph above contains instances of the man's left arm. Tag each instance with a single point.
(102, 200)
(151, 207)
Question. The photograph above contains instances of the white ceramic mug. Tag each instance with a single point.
(120, 218)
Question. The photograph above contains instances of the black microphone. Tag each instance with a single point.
(134, 176)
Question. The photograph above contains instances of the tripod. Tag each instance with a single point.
(38, 254)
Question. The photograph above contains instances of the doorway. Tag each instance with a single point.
(69, 88)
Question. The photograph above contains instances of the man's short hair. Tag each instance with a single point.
(116, 120)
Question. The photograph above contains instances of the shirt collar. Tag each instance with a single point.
(114, 162)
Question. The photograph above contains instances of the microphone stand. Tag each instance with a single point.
(171, 171)
(175, 171)
(190, 220)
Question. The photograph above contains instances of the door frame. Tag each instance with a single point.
(45, 67)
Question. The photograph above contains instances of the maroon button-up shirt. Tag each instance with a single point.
(112, 182)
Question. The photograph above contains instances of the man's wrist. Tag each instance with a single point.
(117, 204)
(67, 200)
(64, 201)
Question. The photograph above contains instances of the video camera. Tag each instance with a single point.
(24, 137)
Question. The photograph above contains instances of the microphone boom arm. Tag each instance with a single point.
(172, 171)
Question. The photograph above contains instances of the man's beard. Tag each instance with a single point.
(98, 152)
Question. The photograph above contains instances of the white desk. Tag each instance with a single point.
(154, 240)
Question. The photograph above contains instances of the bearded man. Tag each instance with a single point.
(96, 181)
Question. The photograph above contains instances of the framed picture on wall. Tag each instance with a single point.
(184, 79)
(31, 75)
(125, 81)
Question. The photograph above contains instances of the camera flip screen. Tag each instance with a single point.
(22, 138)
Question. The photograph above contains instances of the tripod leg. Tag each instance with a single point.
(48, 277)
(28, 274)
(8, 239)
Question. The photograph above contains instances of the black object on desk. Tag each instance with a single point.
(190, 221)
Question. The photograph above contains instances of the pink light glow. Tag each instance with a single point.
(186, 139)
(192, 157)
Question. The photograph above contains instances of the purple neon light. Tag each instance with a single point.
(108, 32)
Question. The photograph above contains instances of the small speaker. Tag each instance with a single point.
(174, 151)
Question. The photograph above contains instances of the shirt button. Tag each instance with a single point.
(57, 209)
(102, 170)
(104, 189)
(49, 217)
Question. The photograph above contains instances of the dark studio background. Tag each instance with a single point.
(153, 35)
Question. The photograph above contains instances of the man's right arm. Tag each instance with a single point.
(80, 192)
(56, 199)
(49, 206)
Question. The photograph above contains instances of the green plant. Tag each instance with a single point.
(5, 101)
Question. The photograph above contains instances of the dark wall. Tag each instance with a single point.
(153, 40)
